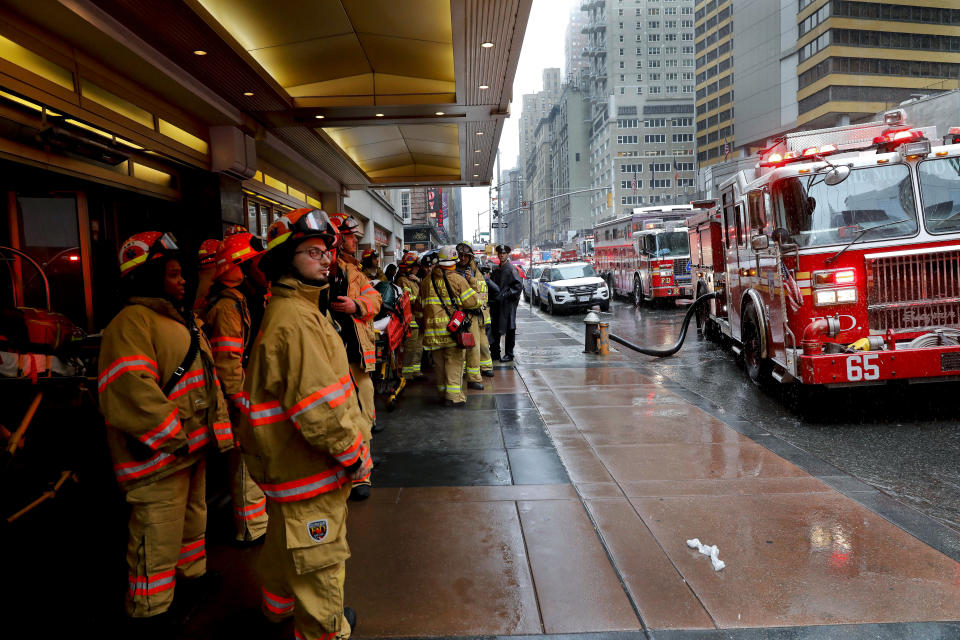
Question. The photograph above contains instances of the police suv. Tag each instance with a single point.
(572, 285)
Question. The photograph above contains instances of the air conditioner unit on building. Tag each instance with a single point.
(232, 152)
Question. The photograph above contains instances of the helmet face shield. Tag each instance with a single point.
(165, 242)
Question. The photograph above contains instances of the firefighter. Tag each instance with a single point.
(206, 270)
(465, 267)
(413, 347)
(442, 293)
(370, 264)
(227, 321)
(300, 432)
(162, 405)
(354, 303)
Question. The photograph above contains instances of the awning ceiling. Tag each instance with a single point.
(372, 92)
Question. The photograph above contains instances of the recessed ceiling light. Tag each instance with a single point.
(476, 150)
(440, 113)
(248, 93)
(486, 45)
(483, 86)
(476, 175)
(476, 164)
(479, 133)
(319, 117)
(199, 52)
(379, 115)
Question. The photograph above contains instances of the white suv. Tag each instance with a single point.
(573, 285)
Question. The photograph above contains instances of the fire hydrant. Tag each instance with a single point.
(595, 333)
(591, 330)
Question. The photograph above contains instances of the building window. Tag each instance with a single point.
(405, 206)
(655, 138)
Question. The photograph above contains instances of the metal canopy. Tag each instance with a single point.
(397, 82)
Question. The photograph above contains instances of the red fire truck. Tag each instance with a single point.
(837, 262)
(645, 255)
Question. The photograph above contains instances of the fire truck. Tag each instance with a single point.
(837, 261)
(645, 255)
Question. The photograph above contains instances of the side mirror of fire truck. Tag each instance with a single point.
(837, 175)
(760, 243)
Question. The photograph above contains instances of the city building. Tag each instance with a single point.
(813, 64)
(535, 107)
(432, 216)
(512, 214)
(575, 42)
(641, 89)
(570, 152)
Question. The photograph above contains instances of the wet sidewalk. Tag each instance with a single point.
(558, 503)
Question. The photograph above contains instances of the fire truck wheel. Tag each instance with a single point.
(758, 367)
(638, 297)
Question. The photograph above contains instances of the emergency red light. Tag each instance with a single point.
(811, 151)
(890, 140)
(773, 159)
(73, 258)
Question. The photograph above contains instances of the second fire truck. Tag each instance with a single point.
(645, 255)
(837, 262)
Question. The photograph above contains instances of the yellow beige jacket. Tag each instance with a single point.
(227, 324)
(433, 296)
(301, 420)
(141, 348)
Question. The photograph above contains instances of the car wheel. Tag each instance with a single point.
(758, 367)
(605, 306)
(550, 308)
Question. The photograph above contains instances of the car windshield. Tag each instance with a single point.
(573, 271)
(815, 213)
(940, 194)
(535, 272)
(673, 244)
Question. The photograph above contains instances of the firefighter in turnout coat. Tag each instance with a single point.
(466, 268)
(413, 347)
(157, 431)
(353, 304)
(301, 432)
(227, 323)
(439, 303)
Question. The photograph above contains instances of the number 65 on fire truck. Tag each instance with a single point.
(837, 262)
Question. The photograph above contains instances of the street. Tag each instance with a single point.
(903, 440)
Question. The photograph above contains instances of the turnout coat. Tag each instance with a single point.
(511, 286)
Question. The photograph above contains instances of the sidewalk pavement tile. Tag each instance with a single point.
(580, 377)
(511, 492)
(451, 468)
(537, 466)
(594, 490)
(443, 569)
(578, 589)
(805, 559)
(724, 487)
(582, 463)
(631, 463)
(634, 425)
(635, 396)
(442, 431)
(523, 428)
(660, 592)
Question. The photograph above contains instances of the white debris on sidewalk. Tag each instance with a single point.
(711, 551)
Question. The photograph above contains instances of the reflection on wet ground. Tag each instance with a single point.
(903, 440)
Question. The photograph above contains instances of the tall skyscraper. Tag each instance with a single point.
(813, 64)
(574, 44)
(641, 89)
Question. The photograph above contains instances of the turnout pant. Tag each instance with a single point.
(249, 503)
(365, 393)
(486, 361)
(301, 576)
(168, 519)
(412, 352)
(472, 355)
(448, 368)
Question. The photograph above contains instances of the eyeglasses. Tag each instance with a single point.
(317, 253)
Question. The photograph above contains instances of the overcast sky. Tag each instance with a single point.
(542, 48)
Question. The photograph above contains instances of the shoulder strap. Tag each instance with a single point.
(190, 357)
(439, 297)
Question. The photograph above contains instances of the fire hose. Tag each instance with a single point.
(664, 353)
